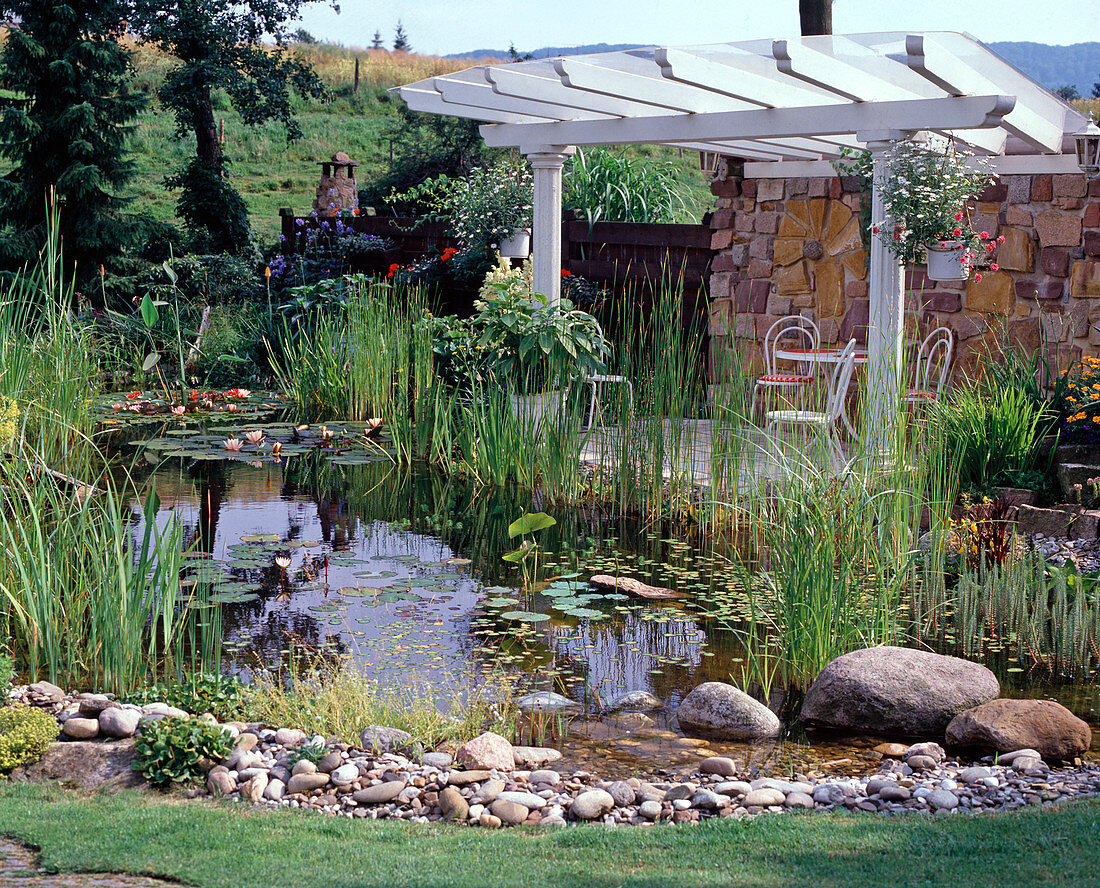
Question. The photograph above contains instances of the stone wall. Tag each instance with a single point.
(793, 246)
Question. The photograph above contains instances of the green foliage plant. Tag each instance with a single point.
(612, 186)
(197, 693)
(25, 734)
(175, 750)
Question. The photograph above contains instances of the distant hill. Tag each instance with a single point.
(1052, 66)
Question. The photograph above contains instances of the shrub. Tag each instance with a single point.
(25, 734)
(6, 672)
(221, 695)
(329, 249)
(173, 750)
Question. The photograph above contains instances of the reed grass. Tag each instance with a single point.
(340, 699)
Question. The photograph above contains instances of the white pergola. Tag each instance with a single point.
(791, 103)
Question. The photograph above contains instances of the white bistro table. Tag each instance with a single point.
(825, 357)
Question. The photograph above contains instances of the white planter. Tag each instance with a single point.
(536, 410)
(518, 246)
(946, 263)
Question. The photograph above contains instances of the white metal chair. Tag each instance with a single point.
(930, 370)
(598, 380)
(796, 332)
(826, 421)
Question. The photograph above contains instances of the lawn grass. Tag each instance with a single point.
(224, 845)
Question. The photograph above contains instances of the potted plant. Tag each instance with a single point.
(537, 348)
(927, 193)
(490, 209)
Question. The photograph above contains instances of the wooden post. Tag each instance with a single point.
(355, 86)
(815, 17)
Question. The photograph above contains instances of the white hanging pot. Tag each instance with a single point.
(945, 261)
(517, 245)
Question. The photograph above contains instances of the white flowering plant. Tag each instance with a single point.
(927, 192)
(482, 209)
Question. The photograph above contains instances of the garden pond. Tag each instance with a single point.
(323, 548)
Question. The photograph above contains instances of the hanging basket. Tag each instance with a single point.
(517, 246)
(945, 261)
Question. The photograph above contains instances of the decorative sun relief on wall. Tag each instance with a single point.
(818, 240)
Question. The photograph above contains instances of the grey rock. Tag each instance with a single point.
(547, 701)
(330, 762)
(798, 800)
(345, 774)
(47, 691)
(462, 778)
(591, 804)
(733, 788)
(721, 710)
(81, 728)
(85, 763)
(898, 691)
(509, 812)
(973, 775)
(220, 782)
(490, 789)
(275, 789)
(708, 801)
(306, 783)
(1008, 758)
(634, 701)
(453, 805)
(894, 792)
(551, 778)
(527, 799)
(650, 810)
(1025, 764)
(289, 737)
(303, 766)
(379, 793)
(680, 791)
(534, 756)
(488, 751)
(941, 799)
(439, 760)
(255, 788)
(921, 762)
(718, 764)
(379, 739)
(932, 750)
(763, 798)
(622, 792)
(92, 705)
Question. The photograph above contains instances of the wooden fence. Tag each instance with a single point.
(619, 255)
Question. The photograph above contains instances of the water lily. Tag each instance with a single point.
(238, 393)
(326, 433)
(179, 410)
(374, 426)
(254, 437)
(276, 448)
(283, 561)
(234, 444)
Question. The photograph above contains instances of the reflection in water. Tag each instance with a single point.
(399, 570)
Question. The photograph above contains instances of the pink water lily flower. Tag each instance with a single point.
(254, 437)
(179, 410)
(234, 444)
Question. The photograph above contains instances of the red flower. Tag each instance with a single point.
(977, 277)
(958, 217)
(194, 396)
(448, 253)
(393, 269)
(565, 272)
(133, 396)
(1001, 239)
(957, 232)
(985, 234)
(993, 266)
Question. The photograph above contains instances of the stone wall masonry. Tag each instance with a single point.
(793, 246)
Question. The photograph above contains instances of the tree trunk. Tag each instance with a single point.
(207, 146)
(815, 17)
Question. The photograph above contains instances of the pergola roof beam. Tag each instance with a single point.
(639, 88)
(1038, 118)
(729, 78)
(957, 113)
(481, 95)
(848, 81)
(432, 102)
(521, 84)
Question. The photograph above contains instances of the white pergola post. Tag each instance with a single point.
(546, 164)
(885, 328)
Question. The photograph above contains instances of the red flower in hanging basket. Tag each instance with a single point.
(565, 272)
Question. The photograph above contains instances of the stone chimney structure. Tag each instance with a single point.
(337, 189)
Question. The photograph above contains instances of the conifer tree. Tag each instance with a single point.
(401, 39)
(67, 131)
(376, 41)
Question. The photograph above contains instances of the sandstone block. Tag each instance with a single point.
(1058, 229)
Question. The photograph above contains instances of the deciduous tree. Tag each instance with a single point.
(239, 47)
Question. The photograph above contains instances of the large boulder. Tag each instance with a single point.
(1008, 725)
(896, 691)
(89, 765)
(487, 751)
(721, 710)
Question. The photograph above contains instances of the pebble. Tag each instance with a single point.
(306, 782)
(119, 723)
(553, 778)
(509, 812)
(345, 774)
(81, 728)
(941, 799)
(764, 797)
(622, 792)
(380, 792)
(974, 775)
(650, 810)
(439, 760)
(592, 804)
(527, 799)
(453, 805)
(717, 764)
(799, 800)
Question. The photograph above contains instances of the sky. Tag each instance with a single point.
(442, 27)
